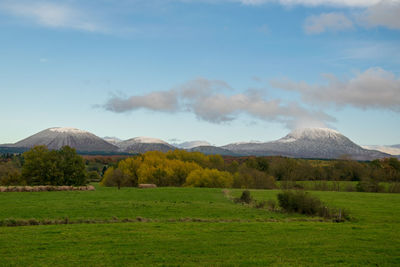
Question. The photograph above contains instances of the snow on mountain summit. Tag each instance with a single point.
(67, 130)
(311, 134)
(147, 140)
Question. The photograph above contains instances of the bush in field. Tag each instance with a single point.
(299, 201)
(302, 202)
(51, 167)
(209, 178)
(245, 197)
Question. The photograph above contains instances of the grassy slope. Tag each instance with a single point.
(374, 239)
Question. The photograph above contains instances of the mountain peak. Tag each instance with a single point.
(57, 137)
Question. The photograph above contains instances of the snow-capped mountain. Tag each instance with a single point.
(56, 138)
(112, 140)
(392, 150)
(192, 144)
(143, 144)
(308, 143)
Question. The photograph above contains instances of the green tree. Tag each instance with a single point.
(44, 167)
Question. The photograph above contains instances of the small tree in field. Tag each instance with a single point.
(118, 177)
(114, 177)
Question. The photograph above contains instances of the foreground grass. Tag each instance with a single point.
(149, 244)
(373, 238)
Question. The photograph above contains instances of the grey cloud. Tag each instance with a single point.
(158, 101)
(214, 102)
(386, 13)
(374, 88)
(333, 21)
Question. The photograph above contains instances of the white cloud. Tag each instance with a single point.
(51, 14)
(373, 88)
(211, 101)
(327, 22)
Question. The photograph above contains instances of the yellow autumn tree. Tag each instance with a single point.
(209, 178)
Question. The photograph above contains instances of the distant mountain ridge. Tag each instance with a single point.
(322, 143)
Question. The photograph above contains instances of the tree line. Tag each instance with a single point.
(182, 168)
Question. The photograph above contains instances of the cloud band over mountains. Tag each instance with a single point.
(214, 102)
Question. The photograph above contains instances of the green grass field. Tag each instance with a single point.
(224, 234)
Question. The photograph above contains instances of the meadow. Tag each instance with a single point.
(192, 227)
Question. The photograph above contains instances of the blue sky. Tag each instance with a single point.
(216, 70)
